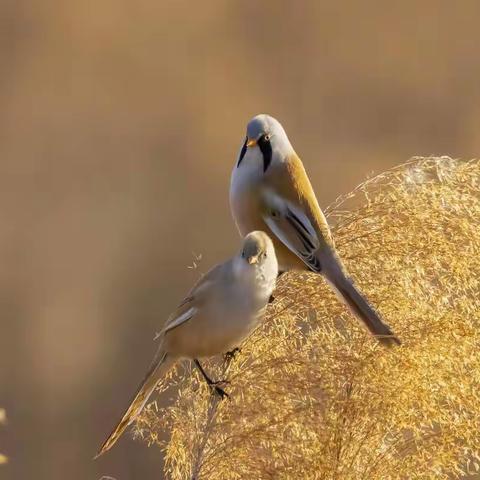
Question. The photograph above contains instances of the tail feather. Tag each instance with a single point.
(334, 273)
(158, 368)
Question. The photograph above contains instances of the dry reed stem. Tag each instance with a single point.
(3, 420)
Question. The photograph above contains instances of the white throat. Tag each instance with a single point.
(261, 278)
(245, 177)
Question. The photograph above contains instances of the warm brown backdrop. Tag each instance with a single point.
(119, 125)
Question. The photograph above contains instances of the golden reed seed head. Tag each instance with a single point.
(313, 396)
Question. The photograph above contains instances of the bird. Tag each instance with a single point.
(270, 190)
(219, 312)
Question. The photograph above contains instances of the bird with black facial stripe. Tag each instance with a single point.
(270, 191)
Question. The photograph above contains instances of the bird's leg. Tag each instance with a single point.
(213, 385)
(272, 298)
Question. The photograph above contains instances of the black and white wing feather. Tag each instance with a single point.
(293, 228)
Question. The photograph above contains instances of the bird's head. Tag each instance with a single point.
(265, 143)
(258, 249)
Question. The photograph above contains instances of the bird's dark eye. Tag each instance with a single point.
(267, 137)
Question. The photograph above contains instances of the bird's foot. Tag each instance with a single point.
(218, 390)
(229, 356)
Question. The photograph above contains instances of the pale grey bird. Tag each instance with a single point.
(270, 191)
(220, 311)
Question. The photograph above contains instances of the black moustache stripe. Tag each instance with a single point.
(266, 150)
(242, 152)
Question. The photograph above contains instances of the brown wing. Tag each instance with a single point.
(290, 181)
(189, 306)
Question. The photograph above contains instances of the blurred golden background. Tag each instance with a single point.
(119, 125)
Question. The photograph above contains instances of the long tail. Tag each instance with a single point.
(334, 273)
(157, 370)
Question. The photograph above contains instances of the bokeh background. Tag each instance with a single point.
(119, 126)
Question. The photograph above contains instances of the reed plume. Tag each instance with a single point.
(312, 395)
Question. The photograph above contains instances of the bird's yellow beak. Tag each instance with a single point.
(253, 259)
(251, 142)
